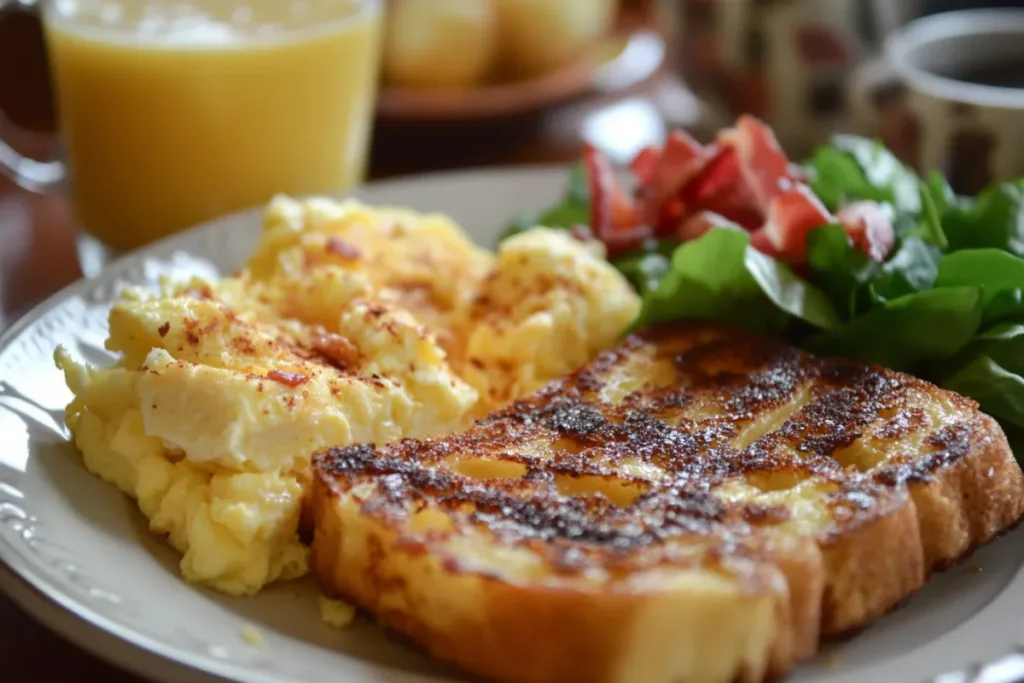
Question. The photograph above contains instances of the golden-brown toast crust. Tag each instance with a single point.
(513, 631)
(688, 450)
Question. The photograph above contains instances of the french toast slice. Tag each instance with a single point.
(697, 504)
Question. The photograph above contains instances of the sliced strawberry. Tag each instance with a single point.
(601, 183)
(743, 181)
(625, 239)
(745, 215)
(791, 215)
(698, 224)
(762, 163)
(645, 164)
(728, 138)
(760, 240)
(671, 213)
(719, 189)
(722, 171)
(624, 211)
(868, 228)
(610, 207)
(681, 159)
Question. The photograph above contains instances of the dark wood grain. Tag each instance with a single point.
(37, 254)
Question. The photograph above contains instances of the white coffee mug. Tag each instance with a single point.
(923, 104)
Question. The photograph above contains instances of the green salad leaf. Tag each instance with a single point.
(913, 267)
(999, 391)
(908, 332)
(991, 372)
(836, 177)
(645, 266)
(789, 292)
(995, 219)
(720, 277)
(852, 168)
(996, 272)
(940, 192)
(841, 271)
(1005, 305)
(1002, 332)
(708, 280)
(883, 171)
(930, 224)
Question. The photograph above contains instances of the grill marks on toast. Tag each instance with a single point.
(693, 447)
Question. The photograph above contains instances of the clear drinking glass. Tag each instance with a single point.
(175, 112)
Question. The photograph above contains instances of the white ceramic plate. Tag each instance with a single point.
(87, 566)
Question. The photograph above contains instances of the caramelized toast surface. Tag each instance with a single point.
(698, 505)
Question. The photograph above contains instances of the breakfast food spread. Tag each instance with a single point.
(697, 505)
(675, 435)
(347, 325)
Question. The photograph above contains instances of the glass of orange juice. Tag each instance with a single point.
(173, 112)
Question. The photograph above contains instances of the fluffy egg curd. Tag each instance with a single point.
(349, 324)
(550, 304)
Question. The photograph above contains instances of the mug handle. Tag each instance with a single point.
(35, 175)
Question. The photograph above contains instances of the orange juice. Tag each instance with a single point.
(176, 112)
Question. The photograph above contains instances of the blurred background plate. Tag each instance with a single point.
(615, 63)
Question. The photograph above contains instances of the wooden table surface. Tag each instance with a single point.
(37, 252)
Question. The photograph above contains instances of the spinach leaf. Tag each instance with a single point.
(720, 277)
(579, 190)
(836, 178)
(940, 192)
(839, 269)
(999, 391)
(789, 292)
(907, 332)
(645, 266)
(883, 170)
(930, 225)
(708, 280)
(995, 219)
(913, 267)
(1000, 274)
(1005, 305)
(1002, 332)
(565, 215)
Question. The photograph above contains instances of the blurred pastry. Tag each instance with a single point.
(440, 43)
(538, 36)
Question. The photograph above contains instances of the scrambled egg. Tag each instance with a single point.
(252, 636)
(423, 264)
(335, 613)
(549, 306)
(348, 325)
